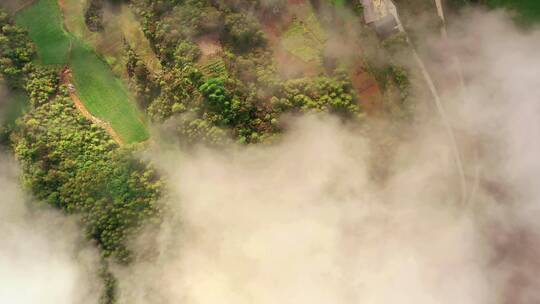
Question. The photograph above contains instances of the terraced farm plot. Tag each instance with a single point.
(44, 24)
(104, 95)
(214, 67)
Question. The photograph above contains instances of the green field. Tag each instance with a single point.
(529, 9)
(104, 95)
(44, 23)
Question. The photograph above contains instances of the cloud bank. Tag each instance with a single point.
(307, 221)
(43, 258)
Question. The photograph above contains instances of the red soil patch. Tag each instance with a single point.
(366, 87)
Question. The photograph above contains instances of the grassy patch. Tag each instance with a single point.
(305, 38)
(339, 3)
(104, 95)
(117, 27)
(44, 23)
(73, 13)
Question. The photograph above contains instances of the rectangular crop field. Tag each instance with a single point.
(44, 24)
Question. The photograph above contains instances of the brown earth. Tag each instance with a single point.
(367, 88)
(209, 45)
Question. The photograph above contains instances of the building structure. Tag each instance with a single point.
(382, 16)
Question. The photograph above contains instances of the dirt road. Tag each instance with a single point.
(65, 78)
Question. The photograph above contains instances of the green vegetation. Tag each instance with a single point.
(339, 3)
(203, 71)
(240, 94)
(104, 95)
(16, 52)
(44, 23)
(305, 38)
(74, 165)
(529, 9)
(70, 163)
(215, 67)
(14, 106)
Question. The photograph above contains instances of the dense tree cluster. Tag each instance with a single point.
(41, 84)
(71, 163)
(218, 83)
(322, 94)
(247, 98)
(243, 32)
(143, 83)
(16, 51)
(74, 165)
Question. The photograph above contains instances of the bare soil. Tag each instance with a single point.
(209, 45)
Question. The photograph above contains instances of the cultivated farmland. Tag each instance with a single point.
(104, 95)
(44, 23)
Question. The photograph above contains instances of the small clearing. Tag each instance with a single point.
(209, 45)
(297, 40)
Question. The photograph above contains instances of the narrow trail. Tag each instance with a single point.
(437, 100)
(66, 79)
(459, 70)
